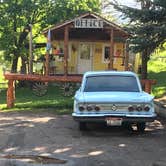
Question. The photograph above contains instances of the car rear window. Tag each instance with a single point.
(111, 83)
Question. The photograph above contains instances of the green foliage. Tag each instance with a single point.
(147, 28)
(157, 71)
(148, 24)
(16, 15)
(62, 10)
(2, 79)
(65, 9)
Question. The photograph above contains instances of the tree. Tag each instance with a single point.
(17, 15)
(65, 9)
(147, 27)
(15, 18)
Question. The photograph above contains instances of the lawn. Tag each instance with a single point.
(26, 100)
(157, 71)
(3, 82)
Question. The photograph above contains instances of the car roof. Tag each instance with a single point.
(96, 73)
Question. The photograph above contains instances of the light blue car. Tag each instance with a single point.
(113, 97)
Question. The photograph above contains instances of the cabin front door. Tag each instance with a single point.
(84, 58)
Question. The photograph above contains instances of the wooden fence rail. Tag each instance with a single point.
(11, 77)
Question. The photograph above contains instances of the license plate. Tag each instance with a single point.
(114, 121)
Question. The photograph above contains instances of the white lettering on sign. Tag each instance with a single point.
(88, 23)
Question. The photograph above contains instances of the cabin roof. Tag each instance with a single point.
(91, 14)
(101, 73)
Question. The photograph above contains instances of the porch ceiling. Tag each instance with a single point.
(87, 34)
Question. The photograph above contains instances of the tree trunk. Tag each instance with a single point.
(23, 71)
(14, 64)
(23, 65)
(144, 65)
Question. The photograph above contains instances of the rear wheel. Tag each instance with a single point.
(128, 126)
(141, 126)
(82, 126)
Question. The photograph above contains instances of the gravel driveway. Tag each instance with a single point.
(58, 136)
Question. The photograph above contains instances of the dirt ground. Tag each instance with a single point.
(58, 136)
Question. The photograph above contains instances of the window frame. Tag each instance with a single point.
(103, 52)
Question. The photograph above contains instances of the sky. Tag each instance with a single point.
(115, 14)
(131, 3)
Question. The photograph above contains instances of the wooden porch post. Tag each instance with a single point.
(47, 64)
(126, 56)
(110, 65)
(66, 40)
(10, 94)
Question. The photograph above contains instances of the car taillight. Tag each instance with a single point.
(89, 108)
(146, 108)
(131, 108)
(139, 108)
(97, 108)
(81, 108)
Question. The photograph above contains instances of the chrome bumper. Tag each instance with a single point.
(125, 117)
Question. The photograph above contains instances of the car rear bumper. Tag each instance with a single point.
(125, 118)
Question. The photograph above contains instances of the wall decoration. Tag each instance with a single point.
(58, 49)
(118, 53)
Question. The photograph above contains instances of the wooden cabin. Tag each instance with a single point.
(87, 43)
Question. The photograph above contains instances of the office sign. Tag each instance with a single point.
(88, 23)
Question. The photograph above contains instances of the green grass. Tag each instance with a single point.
(3, 82)
(1, 75)
(26, 100)
(157, 71)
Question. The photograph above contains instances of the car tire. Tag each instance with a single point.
(127, 126)
(82, 126)
(141, 126)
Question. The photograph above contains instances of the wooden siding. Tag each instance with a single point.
(97, 57)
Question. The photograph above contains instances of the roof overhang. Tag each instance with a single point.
(86, 15)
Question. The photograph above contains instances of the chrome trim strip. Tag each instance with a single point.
(120, 115)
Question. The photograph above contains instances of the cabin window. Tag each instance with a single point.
(106, 54)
